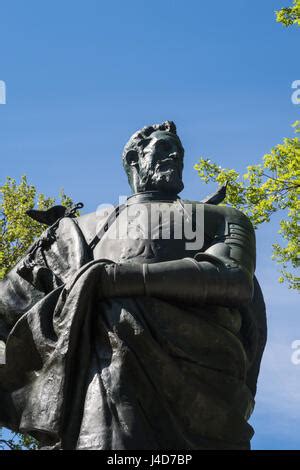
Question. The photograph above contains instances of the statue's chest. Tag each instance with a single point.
(152, 232)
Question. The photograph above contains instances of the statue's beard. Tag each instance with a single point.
(167, 180)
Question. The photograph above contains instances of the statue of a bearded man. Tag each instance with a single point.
(141, 327)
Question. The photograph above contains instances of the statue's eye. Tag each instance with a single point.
(163, 146)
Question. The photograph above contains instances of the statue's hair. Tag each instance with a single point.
(134, 143)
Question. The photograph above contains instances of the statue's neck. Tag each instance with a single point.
(147, 196)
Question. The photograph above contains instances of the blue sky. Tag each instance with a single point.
(81, 77)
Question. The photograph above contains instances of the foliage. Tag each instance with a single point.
(266, 188)
(18, 442)
(289, 15)
(17, 231)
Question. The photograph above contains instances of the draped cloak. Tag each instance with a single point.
(87, 372)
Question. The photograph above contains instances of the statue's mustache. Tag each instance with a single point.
(166, 168)
(163, 167)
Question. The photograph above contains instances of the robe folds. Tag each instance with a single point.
(87, 372)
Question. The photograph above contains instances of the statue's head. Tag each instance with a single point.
(153, 159)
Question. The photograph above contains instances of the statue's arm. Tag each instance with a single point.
(222, 275)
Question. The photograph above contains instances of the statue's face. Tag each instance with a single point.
(161, 163)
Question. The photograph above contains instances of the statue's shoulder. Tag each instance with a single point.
(220, 214)
(228, 212)
(231, 217)
(90, 224)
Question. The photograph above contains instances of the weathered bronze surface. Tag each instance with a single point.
(120, 338)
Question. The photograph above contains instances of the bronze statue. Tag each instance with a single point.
(120, 338)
